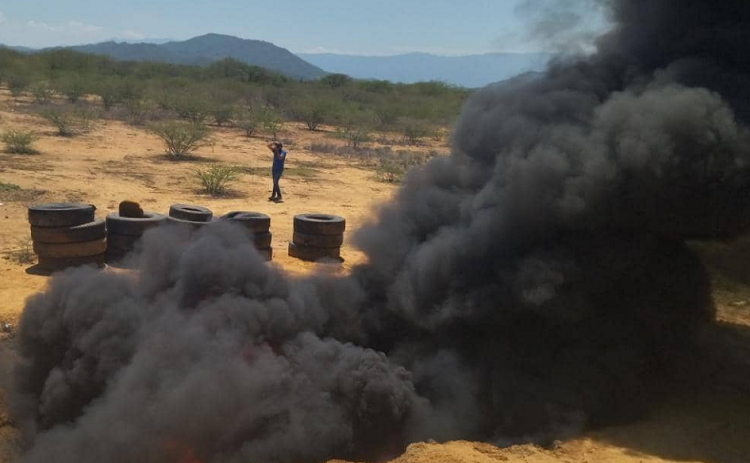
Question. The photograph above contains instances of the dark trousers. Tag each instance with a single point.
(276, 190)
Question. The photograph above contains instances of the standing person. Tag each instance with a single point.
(279, 156)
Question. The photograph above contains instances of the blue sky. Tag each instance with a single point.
(381, 27)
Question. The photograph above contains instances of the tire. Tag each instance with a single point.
(61, 214)
(76, 234)
(66, 250)
(190, 223)
(132, 226)
(266, 254)
(122, 242)
(253, 221)
(52, 264)
(318, 241)
(262, 240)
(190, 213)
(319, 224)
(313, 254)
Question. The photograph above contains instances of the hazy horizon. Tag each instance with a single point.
(328, 26)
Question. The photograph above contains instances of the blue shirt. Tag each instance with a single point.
(278, 161)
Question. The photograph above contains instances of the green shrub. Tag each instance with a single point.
(43, 93)
(63, 121)
(222, 114)
(19, 141)
(22, 253)
(181, 138)
(5, 187)
(17, 83)
(355, 128)
(335, 80)
(313, 111)
(72, 86)
(137, 110)
(110, 93)
(414, 130)
(215, 180)
(248, 122)
(194, 108)
(394, 167)
(270, 120)
(84, 119)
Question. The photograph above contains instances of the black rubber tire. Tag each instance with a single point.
(266, 254)
(76, 234)
(67, 250)
(319, 224)
(122, 242)
(253, 221)
(318, 241)
(61, 214)
(314, 254)
(190, 213)
(262, 240)
(52, 264)
(132, 226)
(190, 223)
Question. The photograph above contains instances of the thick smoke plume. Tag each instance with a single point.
(532, 283)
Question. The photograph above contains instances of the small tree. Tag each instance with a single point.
(270, 120)
(414, 130)
(19, 141)
(335, 80)
(137, 110)
(17, 83)
(110, 93)
(181, 138)
(215, 180)
(313, 111)
(248, 121)
(62, 120)
(43, 93)
(355, 128)
(194, 108)
(222, 114)
(84, 119)
(73, 87)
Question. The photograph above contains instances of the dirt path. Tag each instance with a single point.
(115, 162)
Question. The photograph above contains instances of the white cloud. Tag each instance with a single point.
(84, 28)
(318, 50)
(2, 17)
(69, 28)
(133, 35)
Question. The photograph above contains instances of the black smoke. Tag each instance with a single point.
(533, 283)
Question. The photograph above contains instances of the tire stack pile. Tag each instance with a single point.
(317, 237)
(258, 227)
(67, 235)
(193, 216)
(126, 227)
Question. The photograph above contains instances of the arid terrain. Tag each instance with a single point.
(701, 419)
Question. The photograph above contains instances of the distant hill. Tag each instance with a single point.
(467, 71)
(18, 49)
(207, 49)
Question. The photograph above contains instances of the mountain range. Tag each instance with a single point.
(203, 50)
(467, 71)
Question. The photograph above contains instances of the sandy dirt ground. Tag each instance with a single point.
(700, 423)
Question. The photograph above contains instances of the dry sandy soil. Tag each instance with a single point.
(700, 421)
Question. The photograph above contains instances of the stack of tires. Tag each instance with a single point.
(126, 227)
(67, 235)
(189, 215)
(258, 227)
(317, 237)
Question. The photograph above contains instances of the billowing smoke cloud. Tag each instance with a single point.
(532, 283)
